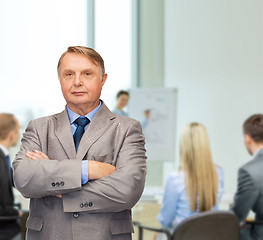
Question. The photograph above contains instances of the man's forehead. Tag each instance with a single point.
(73, 59)
(75, 56)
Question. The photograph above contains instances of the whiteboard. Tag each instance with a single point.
(160, 124)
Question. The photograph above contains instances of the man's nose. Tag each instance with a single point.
(77, 81)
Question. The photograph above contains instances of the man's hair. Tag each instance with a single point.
(8, 123)
(89, 52)
(122, 92)
(253, 127)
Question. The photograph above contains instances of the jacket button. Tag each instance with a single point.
(62, 183)
(86, 204)
(81, 205)
(53, 184)
(57, 184)
(90, 204)
(76, 214)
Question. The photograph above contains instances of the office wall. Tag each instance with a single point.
(214, 56)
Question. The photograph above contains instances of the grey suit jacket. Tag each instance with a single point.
(249, 195)
(98, 210)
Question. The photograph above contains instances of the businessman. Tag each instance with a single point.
(250, 178)
(84, 168)
(9, 136)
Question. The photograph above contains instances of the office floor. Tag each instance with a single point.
(146, 212)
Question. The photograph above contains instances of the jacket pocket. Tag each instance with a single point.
(121, 226)
(34, 223)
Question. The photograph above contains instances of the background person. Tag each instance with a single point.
(198, 184)
(122, 101)
(9, 136)
(66, 164)
(250, 178)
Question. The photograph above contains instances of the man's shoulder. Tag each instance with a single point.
(46, 119)
(125, 121)
(256, 162)
(254, 168)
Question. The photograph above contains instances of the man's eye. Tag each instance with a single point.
(68, 74)
(86, 73)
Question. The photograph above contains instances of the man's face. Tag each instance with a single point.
(248, 141)
(123, 100)
(15, 135)
(81, 81)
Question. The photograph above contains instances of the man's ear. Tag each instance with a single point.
(103, 79)
(11, 136)
(248, 139)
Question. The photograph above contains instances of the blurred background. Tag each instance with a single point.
(209, 53)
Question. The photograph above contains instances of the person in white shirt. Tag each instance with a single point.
(122, 101)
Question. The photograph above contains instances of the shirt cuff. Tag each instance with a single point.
(84, 171)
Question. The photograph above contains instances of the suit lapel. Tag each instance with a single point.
(99, 125)
(64, 134)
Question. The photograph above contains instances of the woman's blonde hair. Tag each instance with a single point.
(200, 171)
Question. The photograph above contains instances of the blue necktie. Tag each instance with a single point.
(81, 122)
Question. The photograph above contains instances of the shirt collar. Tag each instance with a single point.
(4, 149)
(73, 116)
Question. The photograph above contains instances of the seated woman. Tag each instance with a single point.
(198, 184)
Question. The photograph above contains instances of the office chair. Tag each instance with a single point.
(6, 222)
(211, 225)
(21, 220)
(143, 227)
(254, 222)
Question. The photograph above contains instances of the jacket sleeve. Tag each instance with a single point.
(121, 190)
(41, 178)
(245, 196)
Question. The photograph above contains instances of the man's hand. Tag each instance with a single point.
(99, 170)
(36, 155)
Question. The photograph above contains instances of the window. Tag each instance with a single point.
(35, 34)
(113, 42)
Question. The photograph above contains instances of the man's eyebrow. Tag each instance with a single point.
(71, 70)
(68, 70)
(87, 70)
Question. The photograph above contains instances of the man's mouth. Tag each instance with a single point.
(78, 93)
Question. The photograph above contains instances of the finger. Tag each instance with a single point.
(36, 155)
(33, 155)
(42, 154)
(29, 155)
